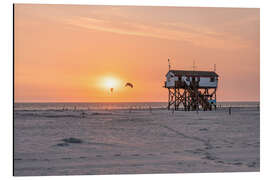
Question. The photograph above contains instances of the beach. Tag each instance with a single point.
(135, 140)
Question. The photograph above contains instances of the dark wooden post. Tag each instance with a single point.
(175, 98)
(169, 98)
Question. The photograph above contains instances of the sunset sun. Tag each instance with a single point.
(111, 82)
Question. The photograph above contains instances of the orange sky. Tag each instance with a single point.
(68, 53)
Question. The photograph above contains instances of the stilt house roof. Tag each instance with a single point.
(194, 73)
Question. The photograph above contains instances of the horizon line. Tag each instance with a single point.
(113, 101)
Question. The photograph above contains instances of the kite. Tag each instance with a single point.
(129, 84)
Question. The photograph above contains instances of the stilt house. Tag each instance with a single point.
(193, 89)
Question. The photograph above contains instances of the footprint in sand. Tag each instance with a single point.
(220, 162)
(62, 144)
(203, 129)
(66, 158)
(180, 163)
(209, 156)
(32, 159)
(237, 163)
(251, 164)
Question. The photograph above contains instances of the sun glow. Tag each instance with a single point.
(111, 82)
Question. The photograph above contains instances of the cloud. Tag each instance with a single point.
(227, 28)
(198, 36)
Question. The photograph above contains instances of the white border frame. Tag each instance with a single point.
(6, 74)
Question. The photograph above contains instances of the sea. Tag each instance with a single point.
(113, 105)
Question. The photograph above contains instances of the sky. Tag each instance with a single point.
(72, 53)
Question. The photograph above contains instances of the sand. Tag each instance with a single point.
(61, 142)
